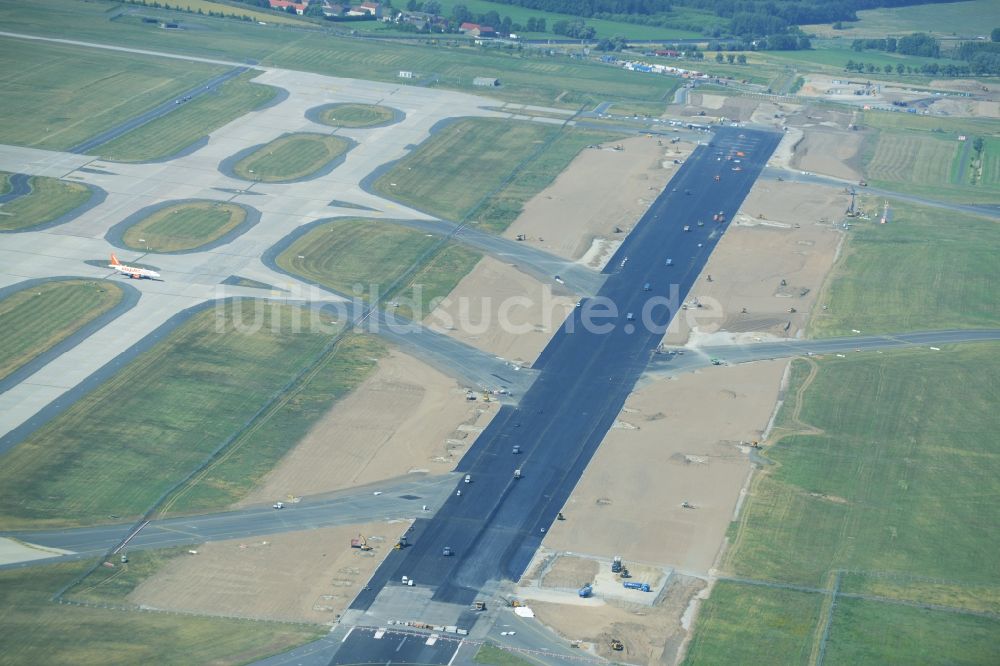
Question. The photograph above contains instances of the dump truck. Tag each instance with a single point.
(616, 564)
(586, 590)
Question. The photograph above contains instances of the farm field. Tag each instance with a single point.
(832, 59)
(940, 19)
(230, 10)
(926, 269)
(184, 226)
(182, 127)
(533, 77)
(36, 319)
(34, 630)
(882, 492)
(291, 157)
(57, 95)
(178, 402)
(48, 200)
(229, 478)
(351, 253)
(356, 115)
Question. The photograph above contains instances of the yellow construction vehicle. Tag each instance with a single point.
(616, 645)
(361, 542)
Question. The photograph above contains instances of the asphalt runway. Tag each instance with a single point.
(495, 526)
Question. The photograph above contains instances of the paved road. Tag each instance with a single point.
(156, 112)
(775, 173)
(689, 359)
(398, 499)
(18, 187)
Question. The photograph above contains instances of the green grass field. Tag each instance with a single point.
(348, 253)
(234, 10)
(528, 77)
(940, 19)
(56, 95)
(49, 199)
(36, 319)
(113, 585)
(189, 122)
(885, 469)
(253, 455)
(34, 630)
(4, 182)
(832, 58)
(867, 632)
(491, 654)
(124, 443)
(885, 464)
(927, 269)
(356, 115)
(450, 174)
(184, 226)
(501, 208)
(291, 157)
(748, 624)
(435, 280)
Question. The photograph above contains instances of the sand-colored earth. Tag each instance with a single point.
(406, 418)
(829, 152)
(795, 240)
(649, 634)
(500, 310)
(308, 576)
(600, 190)
(13, 550)
(679, 441)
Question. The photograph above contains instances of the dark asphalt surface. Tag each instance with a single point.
(156, 112)
(18, 187)
(498, 522)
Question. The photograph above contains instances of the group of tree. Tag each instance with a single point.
(731, 58)
(983, 57)
(917, 44)
(926, 69)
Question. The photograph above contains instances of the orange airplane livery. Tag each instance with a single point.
(131, 271)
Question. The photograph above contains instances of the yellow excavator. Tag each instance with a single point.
(361, 542)
(616, 645)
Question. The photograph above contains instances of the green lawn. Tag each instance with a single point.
(866, 632)
(34, 630)
(491, 654)
(899, 477)
(940, 19)
(290, 157)
(36, 319)
(127, 441)
(234, 10)
(927, 269)
(253, 455)
(832, 58)
(4, 182)
(485, 170)
(184, 226)
(749, 624)
(49, 199)
(435, 280)
(529, 77)
(356, 115)
(111, 585)
(349, 253)
(57, 95)
(189, 122)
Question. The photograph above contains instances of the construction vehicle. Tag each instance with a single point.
(361, 542)
(520, 237)
(517, 474)
(616, 645)
(687, 227)
(479, 606)
(516, 450)
(402, 543)
(718, 178)
(716, 361)
(863, 183)
(585, 591)
(616, 564)
(447, 551)
(124, 558)
(278, 505)
(560, 516)
(686, 505)
(631, 585)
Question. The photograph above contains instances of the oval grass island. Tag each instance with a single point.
(291, 157)
(184, 226)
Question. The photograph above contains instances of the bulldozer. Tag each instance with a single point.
(616, 645)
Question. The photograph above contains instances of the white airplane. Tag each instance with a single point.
(131, 271)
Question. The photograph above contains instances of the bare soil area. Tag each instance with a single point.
(681, 443)
(601, 190)
(500, 310)
(830, 152)
(308, 576)
(649, 634)
(570, 572)
(785, 232)
(406, 418)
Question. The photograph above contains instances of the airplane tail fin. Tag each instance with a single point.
(114, 260)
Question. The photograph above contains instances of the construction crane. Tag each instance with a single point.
(851, 212)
